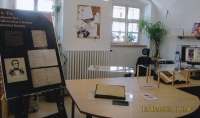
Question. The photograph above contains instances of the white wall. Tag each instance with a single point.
(182, 14)
(70, 40)
(125, 56)
(1, 3)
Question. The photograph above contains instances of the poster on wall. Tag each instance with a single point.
(29, 54)
(88, 21)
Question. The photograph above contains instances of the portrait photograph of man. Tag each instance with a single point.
(15, 70)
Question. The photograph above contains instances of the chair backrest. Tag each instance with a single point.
(143, 60)
(146, 51)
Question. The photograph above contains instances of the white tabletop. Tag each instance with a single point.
(167, 96)
(111, 68)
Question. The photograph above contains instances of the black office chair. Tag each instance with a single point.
(143, 60)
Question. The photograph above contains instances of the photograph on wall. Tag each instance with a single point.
(43, 76)
(15, 70)
(39, 38)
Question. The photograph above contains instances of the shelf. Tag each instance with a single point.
(189, 36)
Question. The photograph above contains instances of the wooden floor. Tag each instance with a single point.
(48, 108)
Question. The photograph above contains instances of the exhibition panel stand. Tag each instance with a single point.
(29, 56)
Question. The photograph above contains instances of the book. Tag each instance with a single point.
(192, 54)
(110, 91)
(167, 77)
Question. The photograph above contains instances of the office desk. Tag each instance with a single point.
(167, 96)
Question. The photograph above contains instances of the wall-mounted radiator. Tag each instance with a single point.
(79, 61)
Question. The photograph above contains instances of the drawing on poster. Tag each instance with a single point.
(39, 38)
(15, 70)
(43, 76)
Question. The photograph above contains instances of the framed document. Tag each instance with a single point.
(110, 91)
(15, 70)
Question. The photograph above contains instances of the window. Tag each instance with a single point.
(35, 5)
(124, 26)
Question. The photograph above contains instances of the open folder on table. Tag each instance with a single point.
(167, 77)
(110, 91)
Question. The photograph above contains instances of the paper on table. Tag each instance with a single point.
(39, 38)
(148, 96)
(42, 58)
(147, 86)
(45, 76)
(87, 12)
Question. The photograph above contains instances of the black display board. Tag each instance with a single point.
(29, 53)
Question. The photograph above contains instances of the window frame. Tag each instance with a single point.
(126, 21)
(35, 6)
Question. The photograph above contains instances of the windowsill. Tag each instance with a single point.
(128, 45)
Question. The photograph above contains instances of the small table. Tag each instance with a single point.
(111, 69)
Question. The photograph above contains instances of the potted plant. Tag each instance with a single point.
(155, 32)
(131, 37)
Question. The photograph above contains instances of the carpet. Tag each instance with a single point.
(195, 90)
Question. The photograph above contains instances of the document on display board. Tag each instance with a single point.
(87, 12)
(39, 38)
(42, 58)
(43, 76)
